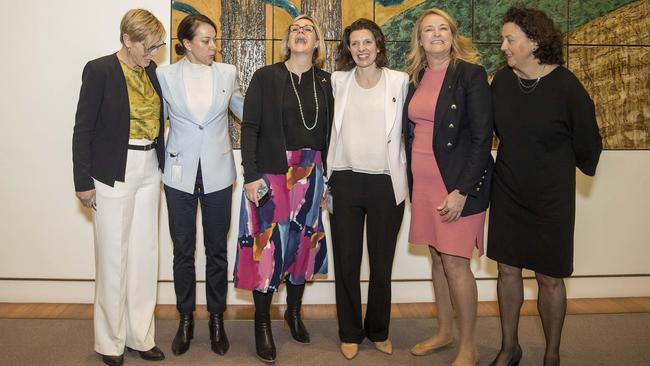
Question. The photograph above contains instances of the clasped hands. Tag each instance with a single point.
(452, 206)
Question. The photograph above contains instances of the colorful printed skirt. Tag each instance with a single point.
(285, 237)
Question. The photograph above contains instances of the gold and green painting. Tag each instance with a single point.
(607, 43)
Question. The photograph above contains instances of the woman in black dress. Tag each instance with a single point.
(546, 125)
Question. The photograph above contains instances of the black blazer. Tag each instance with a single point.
(462, 134)
(102, 124)
(263, 147)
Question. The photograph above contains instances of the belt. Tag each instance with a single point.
(143, 147)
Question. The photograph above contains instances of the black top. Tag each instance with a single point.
(544, 136)
(102, 124)
(263, 141)
(297, 135)
(462, 134)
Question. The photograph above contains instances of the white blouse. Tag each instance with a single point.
(362, 140)
(198, 88)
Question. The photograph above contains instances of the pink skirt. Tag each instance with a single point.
(458, 238)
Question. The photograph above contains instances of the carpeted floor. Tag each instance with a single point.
(615, 339)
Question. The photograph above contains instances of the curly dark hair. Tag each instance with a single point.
(540, 28)
(344, 60)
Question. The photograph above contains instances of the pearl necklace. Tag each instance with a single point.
(302, 115)
(527, 89)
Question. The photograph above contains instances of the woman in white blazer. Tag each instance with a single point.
(199, 168)
(366, 166)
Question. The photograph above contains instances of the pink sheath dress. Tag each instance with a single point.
(456, 238)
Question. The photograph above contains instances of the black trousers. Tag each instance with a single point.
(360, 199)
(215, 210)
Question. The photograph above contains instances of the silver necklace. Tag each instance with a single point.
(529, 88)
(302, 115)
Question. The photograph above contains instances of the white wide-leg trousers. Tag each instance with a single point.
(126, 256)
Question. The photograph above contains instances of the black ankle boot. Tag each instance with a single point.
(184, 334)
(292, 314)
(264, 345)
(218, 338)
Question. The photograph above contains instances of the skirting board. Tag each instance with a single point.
(321, 292)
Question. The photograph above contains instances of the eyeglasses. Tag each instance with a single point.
(153, 48)
(307, 28)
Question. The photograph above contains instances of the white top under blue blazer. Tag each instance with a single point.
(395, 93)
(208, 139)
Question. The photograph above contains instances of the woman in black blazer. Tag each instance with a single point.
(287, 116)
(448, 135)
(117, 151)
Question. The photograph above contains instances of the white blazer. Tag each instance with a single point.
(207, 140)
(396, 89)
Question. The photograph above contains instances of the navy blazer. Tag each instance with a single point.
(462, 134)
(102, 124)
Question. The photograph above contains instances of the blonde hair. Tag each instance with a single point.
(142, 26)
(462, 47)
(318, 58)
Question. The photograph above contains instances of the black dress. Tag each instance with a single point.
(543, 136)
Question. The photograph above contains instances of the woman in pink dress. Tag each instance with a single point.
(448, 133)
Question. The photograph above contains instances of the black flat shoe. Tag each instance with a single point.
(154, 354)
(218, 338)
(514, 359)
(113, 360)
(184, 334)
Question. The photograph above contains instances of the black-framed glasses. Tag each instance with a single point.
(153, 48)
(307, 28)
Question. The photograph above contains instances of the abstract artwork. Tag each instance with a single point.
(607, 44)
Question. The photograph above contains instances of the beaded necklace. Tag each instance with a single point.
(302, 115)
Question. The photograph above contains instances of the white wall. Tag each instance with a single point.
(46, 239)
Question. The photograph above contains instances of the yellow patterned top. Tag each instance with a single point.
(144, 103)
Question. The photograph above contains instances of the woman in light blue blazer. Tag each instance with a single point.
(199, 167)
(366, 166)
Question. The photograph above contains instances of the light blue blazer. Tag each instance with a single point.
(207, 140)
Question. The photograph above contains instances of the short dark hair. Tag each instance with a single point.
(344, 60)
(540, 28)
(187, 30)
